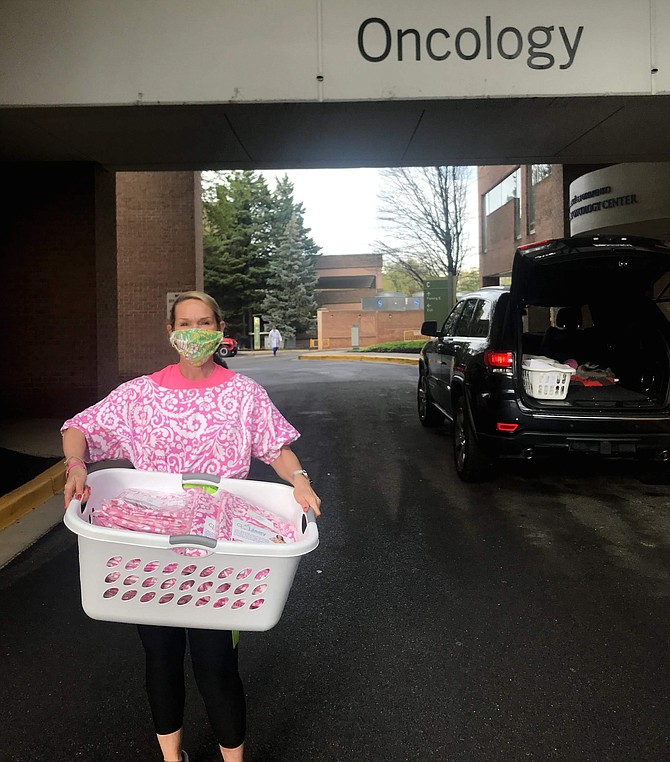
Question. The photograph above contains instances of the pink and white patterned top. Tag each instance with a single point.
(166, 423)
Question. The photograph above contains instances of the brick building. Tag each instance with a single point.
(520, 204)
(351, 301)
(88, 256)
(159, 249)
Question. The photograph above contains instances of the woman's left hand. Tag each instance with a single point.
(288, 467)
(305, 496)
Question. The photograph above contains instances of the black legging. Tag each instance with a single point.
(214, 659)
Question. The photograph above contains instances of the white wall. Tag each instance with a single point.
(624, 198)
(98, 52)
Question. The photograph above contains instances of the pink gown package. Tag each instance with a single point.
(249, 523)
(222, 516)
(142, 510)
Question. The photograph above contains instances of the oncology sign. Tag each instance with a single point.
(395, 49)
(541, 46)
(598, 199)
(622, 197)
(108, 52)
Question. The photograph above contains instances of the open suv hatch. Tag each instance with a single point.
(573, 356)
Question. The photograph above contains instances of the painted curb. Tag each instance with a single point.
(363, 358)
(20, 501)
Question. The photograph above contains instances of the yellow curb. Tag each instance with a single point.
(27, 497)
(363, 358)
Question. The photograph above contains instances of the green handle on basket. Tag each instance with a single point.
(207, 487)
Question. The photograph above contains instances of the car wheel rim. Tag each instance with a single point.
(423, 403)
(460, 440)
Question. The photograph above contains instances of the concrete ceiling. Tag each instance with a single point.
(585, 130)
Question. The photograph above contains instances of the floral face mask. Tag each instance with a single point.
(196, 345)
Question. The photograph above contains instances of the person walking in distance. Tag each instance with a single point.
(149, 421)
(275, 339)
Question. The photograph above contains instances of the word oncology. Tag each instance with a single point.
(378, 42)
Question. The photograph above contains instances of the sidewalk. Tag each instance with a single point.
(347, 355)
(32, 469)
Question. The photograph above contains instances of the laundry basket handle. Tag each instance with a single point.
(192, 539)
(83, 511)
(306, 519)
(211, 478)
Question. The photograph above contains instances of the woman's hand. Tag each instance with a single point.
(75, 484)
(305, 496)
(75, 450)
(288, 468)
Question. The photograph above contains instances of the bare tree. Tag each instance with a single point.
(424, 211)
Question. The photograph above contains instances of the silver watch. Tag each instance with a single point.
(303, 472)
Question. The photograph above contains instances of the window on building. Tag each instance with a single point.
(539, 171)
(508, 189)
(535, 173)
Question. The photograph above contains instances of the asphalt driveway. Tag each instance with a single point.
(521, 619)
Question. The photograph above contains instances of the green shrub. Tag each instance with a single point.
(411, 347)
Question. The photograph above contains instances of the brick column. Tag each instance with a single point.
(106, 281)
(47, 268)
(159, 239)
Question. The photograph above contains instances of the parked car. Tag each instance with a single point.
(228, 348)
(596, 308)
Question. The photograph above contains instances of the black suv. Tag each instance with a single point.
(594, 313)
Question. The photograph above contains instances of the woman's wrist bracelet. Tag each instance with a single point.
(75, 465)
(74, 457)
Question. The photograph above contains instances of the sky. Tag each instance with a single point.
(341, 208)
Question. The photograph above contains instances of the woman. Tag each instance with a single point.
(195, 417)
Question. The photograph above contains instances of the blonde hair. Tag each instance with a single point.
(201, 296)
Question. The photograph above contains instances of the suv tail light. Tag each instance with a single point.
(536, 244)
(494, 359)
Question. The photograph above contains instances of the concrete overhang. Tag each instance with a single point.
(567, 130)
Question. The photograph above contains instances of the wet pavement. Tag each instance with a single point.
(525, 618)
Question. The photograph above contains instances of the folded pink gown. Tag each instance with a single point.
(222, 516)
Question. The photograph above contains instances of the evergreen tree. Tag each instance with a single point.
(289, 302)
(285, 209)
(238, 241)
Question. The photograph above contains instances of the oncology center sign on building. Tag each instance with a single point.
(329, 50)
(632, 197)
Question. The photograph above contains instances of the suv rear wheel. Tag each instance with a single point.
(472, 463)
(429, 416)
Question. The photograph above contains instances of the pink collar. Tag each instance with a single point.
(171, 378)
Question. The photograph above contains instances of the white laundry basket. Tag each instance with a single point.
(546, 384)
(137, 577)
(544, 378)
